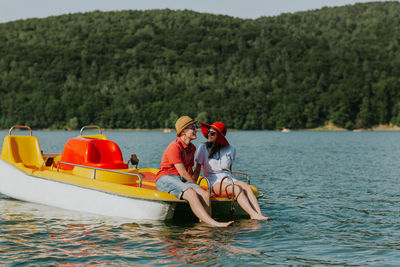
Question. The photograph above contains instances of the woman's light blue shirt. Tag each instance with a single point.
(219, 165)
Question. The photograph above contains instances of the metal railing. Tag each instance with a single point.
(245, 174)
(226, 177)
(232, 209)
(208, 183)
(226, 190)
(99, 169)
(19, 127)
(90, 126)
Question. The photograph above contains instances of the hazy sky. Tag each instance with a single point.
(21, 9)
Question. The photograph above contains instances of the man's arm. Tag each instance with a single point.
(184, 173)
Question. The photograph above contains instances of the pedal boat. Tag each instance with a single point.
(91, 176)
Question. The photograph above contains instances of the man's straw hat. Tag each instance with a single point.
(182, 123)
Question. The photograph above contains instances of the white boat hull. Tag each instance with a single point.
(19, 185)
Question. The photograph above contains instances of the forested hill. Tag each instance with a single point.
(143, 69)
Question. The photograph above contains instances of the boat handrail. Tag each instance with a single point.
(245, 174)
(232, 209)
(233, 186)
(208, 183)
(90, 126)
(99, 169)
(20, 127)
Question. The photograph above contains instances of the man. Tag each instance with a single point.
(176, 172)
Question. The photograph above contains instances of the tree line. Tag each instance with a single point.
(143, 69)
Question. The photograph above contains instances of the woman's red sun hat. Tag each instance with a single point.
(220, 128)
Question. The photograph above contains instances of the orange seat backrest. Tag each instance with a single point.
(90, 152)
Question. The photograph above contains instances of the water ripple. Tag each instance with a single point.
(333, 199)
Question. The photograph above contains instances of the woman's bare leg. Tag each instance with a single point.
(242, 199)
(252, 198)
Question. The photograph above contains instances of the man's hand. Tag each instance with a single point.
(184, 173)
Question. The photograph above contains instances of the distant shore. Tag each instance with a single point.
(332, 127)
(327, 127)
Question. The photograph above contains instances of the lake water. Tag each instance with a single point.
(334, 199)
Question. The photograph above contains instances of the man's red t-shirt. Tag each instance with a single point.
(177, 152)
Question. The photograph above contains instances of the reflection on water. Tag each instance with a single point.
(333, 199)
(201, 244)
(44, 233)
(54, 236)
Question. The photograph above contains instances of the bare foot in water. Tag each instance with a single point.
(225, 224)
(260, 218)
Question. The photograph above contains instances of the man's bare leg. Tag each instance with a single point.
(198, 209)
(205, 198)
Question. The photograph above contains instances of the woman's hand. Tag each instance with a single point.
(196, 172)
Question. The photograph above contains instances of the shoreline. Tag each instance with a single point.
(329, 127)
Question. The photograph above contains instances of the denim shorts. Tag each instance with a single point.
(175, 185)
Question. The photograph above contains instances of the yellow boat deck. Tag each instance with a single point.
(25, 154)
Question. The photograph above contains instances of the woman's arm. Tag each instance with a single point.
(196, 172)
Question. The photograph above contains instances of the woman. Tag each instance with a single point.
(216, 156)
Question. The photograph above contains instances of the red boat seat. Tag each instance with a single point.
(91, 152)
